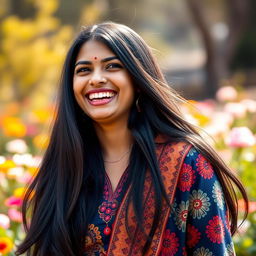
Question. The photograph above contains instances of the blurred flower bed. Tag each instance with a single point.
(230, 120)
(23, 138)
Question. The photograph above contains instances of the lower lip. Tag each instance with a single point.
(98, 102)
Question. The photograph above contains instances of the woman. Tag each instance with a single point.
(124, 173)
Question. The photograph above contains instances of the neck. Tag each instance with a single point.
(115, 140)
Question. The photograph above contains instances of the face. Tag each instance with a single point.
(102, 86)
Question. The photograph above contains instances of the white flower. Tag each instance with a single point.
(15, 172)
(218, 194)
(250, 105)
(2, 159)
(236, 109)
(17, 146)
(27, 159)
(22, 159)
(4, 221)
(199, 204)
(202, 252)
(249, 156)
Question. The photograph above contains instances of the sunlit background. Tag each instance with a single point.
(207, 50)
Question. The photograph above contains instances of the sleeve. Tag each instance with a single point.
(198, 222)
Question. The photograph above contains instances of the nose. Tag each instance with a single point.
(97, 78)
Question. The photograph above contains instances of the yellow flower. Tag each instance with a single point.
(42, 115)
(32, 170)
(47, 6)
(6, 245)
(6, 165)
(19, 192)
(41, 141)
(13, 126)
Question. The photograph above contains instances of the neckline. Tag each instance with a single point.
(114, 194)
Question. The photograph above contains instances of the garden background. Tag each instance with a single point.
(207, 50)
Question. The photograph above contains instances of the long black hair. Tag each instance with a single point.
(65, 194)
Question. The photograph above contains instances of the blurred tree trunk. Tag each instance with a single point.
(238, 17)
(219, 56)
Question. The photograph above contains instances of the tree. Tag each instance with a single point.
(219, 55)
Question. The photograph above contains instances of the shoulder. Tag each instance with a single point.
(199, 163)
(183, 154)
(197, 173)
(165, 144)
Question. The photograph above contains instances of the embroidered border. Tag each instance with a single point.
(171, 157)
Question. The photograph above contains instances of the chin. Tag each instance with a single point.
(101, 117)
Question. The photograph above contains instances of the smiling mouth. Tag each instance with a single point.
(100, 98)
(100, 95)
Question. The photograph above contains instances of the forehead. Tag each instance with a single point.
(92, 49)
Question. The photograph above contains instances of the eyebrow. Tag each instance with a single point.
(86, 62)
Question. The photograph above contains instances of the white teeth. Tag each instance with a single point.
(101, 95)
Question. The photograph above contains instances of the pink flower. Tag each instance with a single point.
(240, 137)
(32, 130)
(236, 109)
(206, 107)
(252, 207)
(226, 93)
(26, 178)
(13, 201)
(241, 206)
(15, 215)
(4, 221)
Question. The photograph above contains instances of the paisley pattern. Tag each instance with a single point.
(93, 241)
(197, 224)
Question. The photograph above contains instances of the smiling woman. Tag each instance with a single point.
(124, 172)
(103, 88)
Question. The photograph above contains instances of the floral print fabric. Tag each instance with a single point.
(197, 226)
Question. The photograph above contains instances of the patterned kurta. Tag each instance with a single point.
(198, 223)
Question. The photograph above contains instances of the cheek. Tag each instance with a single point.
(77, 87)
(77, 90)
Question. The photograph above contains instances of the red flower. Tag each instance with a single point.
(215, 230)
(193, 236)
(170, 244)
(187, 178)
(204, 167)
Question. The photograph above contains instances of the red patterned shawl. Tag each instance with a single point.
(170, 158)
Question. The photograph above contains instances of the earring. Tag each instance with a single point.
(137, 105)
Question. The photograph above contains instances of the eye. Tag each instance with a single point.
(82, 70)
(113, 66)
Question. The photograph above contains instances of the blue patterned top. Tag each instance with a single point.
(198, 223)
